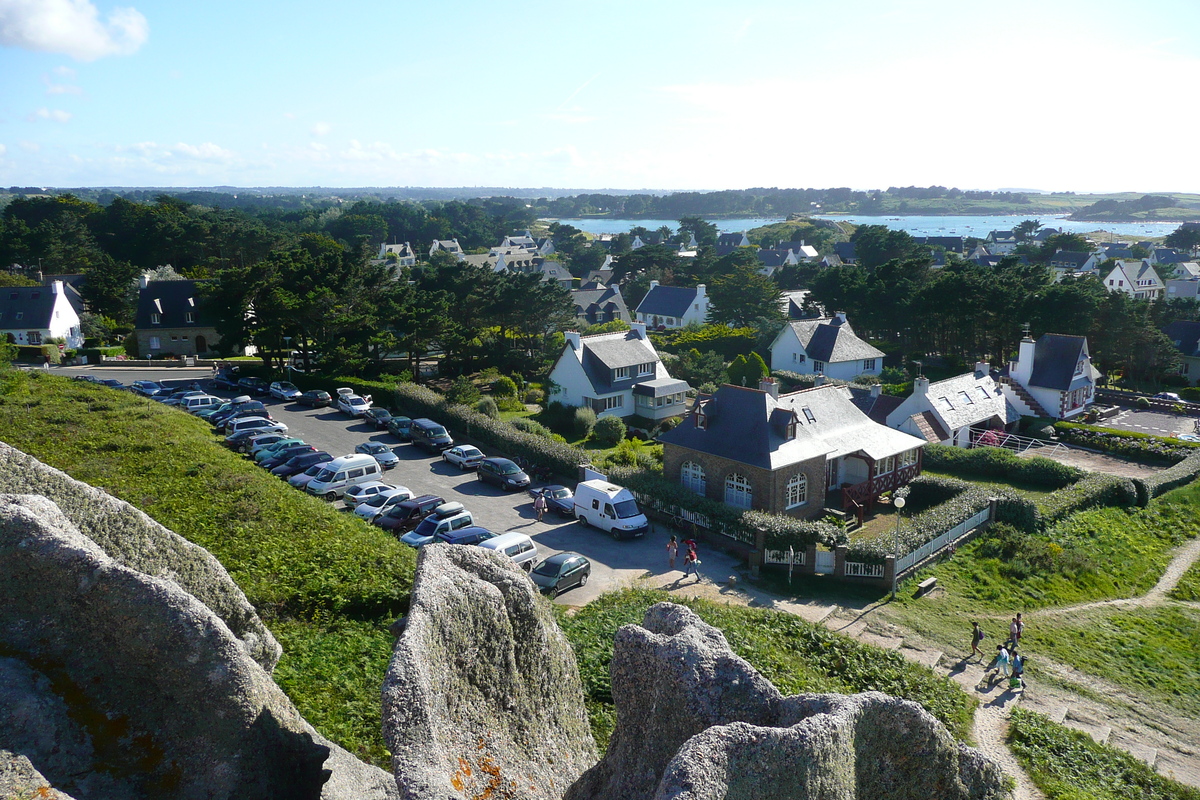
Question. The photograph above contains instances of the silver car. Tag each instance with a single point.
(380, 452)
(382, 502)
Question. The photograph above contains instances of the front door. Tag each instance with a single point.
(831, 474)
(201, 345)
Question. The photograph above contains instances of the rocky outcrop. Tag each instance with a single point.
(19, 780)
(696, 722)
(482, 698)
(115, 683)
(132, 539)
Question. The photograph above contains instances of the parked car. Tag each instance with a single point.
(256, 443)
(176, 398)
(198, 402)
(400, 427)
(235, 405)
(364, 492)
(146, 388)
(300, 479)
(446, 517)
(502, 472)
(260, 424)
(382, 453)
(246, 412)
(344, 473)
(111, 383)
(516, 546)
(268, 449)
(559, 499)
(225, 379)
(350, 403)
(253, 385)
(285, 454)
(382, 502)
(463, 456)
(1172, 396)
(472, 534)
(315, 398)
(298, 464)
(404, 516)
(283, 390)
(208, 413)
(429, 435)
(240, 441)
(379, 417)
(561, 571)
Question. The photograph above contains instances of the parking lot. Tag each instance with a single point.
(615, 564)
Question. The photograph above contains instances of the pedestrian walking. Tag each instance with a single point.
(1015, 629)
(539, 505)
(672, 549)
(977, 637)
(689, 563)
(1003, 661)
(1017, 681)
(46, 361)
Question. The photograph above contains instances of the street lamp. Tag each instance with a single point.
(898, 502)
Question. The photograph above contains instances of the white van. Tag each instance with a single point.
(610, 508)
(342, 473)
(517, 546)
(198, 402)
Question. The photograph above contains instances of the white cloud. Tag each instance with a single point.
(71, 27)
(65, 72)
(29, 147)
(60, 88)
(53, 114)
(207, 151)
(3, 150)
(321, 129)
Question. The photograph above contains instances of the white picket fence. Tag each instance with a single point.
(858, 569)
(781, 557)
(949, 537)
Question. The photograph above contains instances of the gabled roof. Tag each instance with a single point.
(772, 258)
(967, 400)
(667, 301)
(827, 340)
(1054, 358)
(600, 300)
(930, 426)
(876, 407)
(172, 301)
(744, 425)
(731, 239)
(1184, 335)
(1073, 258)
(35, 304)
(1168, 256)
(844, 250)
(605, 352)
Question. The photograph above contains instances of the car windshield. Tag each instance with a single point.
(378, 500)
(286, 387)
(400, 512)
(314, 470)
(325, 475)
(437, 430)
(626, 509)
(375, 447)
(427, 527)
(559, 494)
(356, 401)
(508, 469)
(470, 451)
(547, 568)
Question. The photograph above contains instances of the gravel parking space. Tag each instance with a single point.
(615, 564)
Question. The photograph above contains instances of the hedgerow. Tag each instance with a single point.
(1136, 446)
(1182, 473)
(996, 462)
(1094, 489)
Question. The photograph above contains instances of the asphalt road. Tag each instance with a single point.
(615, 564)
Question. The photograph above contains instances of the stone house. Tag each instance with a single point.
(172, 319)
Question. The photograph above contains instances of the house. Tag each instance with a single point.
(949, 244)
(1001, 243)
(449, 245)
(519, 241)
(1052, 377)
(802, 251)
(172, 319)
(956, 411)
(32, 315)
(673, 306)
(1186, 338)
(404, 254)
(825, 346)
(772, 260)
(1188, 288)
(596, 304)
(792, 303)
(1165, 256)
(793, 454)
(545, 246)
(616, 375)
(830, 260)
(602, 276)
(1076, 261)
(1135, 278)
(873, 402)
(733, 240)
(844, 251)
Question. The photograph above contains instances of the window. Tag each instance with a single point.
(808, 414)
(646, 369)
(868, 364)
(737, 491)
(818, 366)
(1080, 366)
(35, 337)
(645, 402)
(611, 402)
(886, 466)
(796, 491)
(20, 315)
(701, 418)
(620, 373)
(155, 319)
(793, 357)
(946, 404)
(691, 476)
(908, 458)
(154, 343)
(189, 316)
(982, 392)
(966, 398)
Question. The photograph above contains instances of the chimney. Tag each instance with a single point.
(820, 379)
(653, 286)
(920, 385)
(573, 339)
(56, 287)
(144, 280)
(639, 329)
(770, 386)
(839, 318)
(876, 389)
(700, 291)
(982, 369)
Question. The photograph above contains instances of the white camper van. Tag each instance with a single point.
(610, 508)
(342, 473)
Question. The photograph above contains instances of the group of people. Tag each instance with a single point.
(690, 559)
(1008, 663)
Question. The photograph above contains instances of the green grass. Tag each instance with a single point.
(1189, 586)
(1070, 765)
(1032, 491)
(795, 655)
(327, 584)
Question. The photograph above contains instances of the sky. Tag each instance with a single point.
(1061, 95)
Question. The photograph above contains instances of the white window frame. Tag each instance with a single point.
(155, 343)
(155, 319)
(645, 369)
(739, 492)
(620, 373)
(190, 316)
(796, 491)
(615, 401)
(868, 364)
(692, 477)
(818, 366)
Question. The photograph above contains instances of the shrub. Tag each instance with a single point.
(1137, 446)
(130, 345)
(609, 431)
(1094, 489)
(462, 391)
(38, 352)
(504, 387)
(1151, 487)
(583, 421)
(893, 375)
(996, 462)
(531, 426)
(487, 406)
(723, 340)
(510, 404)
(534, 396)
(1142, 403)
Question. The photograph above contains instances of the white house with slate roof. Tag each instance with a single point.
(673, 306)
(1076, 260)
(1052, 377)
(596, 304)
(825, 346)
(955, 411)
(1135, 278)
(404, 254)
(30, 315)
(616, 375)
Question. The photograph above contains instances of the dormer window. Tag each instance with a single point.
(1080, 366)
(789, 430)
(620, 373)
(701, 418)
(645, 369)
(155, 319)
(190, 316)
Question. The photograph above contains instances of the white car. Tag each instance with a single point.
(382, 502)
(283, 390)
(350, 403)
(363, 492)
(464, 456)
(380, 452)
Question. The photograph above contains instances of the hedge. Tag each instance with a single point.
(38, 352)
(996, 462)
(721, 339)
(794, 381)
(1136, 446)
(1094, 489)
(1171, 478)
(95, 354)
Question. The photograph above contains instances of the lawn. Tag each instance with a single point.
(1032, 491)
(1189, 586)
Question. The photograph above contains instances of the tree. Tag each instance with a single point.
(743, 295)
(877, 244)
(705, 233)
(748, 370)
(1186, 237)
(1071, 242)
(1027, 229)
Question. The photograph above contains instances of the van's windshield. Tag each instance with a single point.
(427, 527)
(325, 476)
(626, 509)
(437, 430)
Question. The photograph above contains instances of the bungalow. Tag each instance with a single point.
(1135, 278)
(1052, 377)
(734, 240)
(616, 375)
(1000, 243)
(793, 454)
(403, 253)
(172, 319)
(802, 251)
(956, 411)
(1165, 256)
(673, 306)
(596, 304)
(32, 315)
(772, 260)
(844, 251)
(825, 346)
(1186, 338)
(449, 245)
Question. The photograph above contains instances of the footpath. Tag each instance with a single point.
(1109, 714)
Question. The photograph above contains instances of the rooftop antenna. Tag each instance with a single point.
(920, 365)
(1025, 331)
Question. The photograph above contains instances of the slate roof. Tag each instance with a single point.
(1054, 358)
(739, 428)
(1168, 256)
(876, 408)
(667, 301)
(825, 340)
(1071, 258)
(34, 303)
(967, 400)
(951, 244)
(772, 258)
(1185, 336)
(660, 387)
(844, 251)
(598, 301)
(605, 352)
(731, 239)
(172, 300)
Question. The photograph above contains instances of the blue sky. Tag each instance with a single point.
(1057, 94)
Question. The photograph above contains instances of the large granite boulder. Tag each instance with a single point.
(131, 538)
(696, 722)
(116, 683)
(482, 697)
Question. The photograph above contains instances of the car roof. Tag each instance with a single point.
(559, 558)
(463, 533)
(499, 460)
(368, 485)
